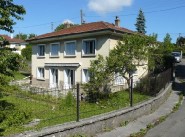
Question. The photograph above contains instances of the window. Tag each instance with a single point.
(41, 50)
(40, 73)
(118, 79)
(89, 47)
(70, 48)
(54, 50)
(85, 76)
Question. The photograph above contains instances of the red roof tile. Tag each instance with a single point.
(89, 27)
(12, 40)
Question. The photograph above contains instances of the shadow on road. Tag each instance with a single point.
(179, 82)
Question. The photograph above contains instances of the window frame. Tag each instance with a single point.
(38, 50)
(65, 55)
(84, 76)
(39, 73)
(54, 56)
(95, 43)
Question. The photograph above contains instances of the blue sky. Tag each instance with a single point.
(162, 16)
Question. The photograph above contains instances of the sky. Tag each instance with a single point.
(162, 16)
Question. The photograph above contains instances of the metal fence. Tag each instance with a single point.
(78, 105)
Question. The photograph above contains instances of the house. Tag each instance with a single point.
(62, 58)
(16, 45)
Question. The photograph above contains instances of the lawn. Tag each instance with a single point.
(19, 108)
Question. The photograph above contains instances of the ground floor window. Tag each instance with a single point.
(85, 76)
(118, 79)
(40, 73)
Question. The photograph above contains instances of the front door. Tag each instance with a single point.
(53, 78)
(69, 78)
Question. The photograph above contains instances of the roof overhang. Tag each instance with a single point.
(62, 64)
(77, 35)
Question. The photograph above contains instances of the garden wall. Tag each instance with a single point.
(100, 123)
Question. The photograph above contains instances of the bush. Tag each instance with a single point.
(69, 99)
(4, 80)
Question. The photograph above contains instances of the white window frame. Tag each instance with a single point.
(51, 44)
(38, 50)
(118, 79)
(65, 55)
(41, 76)
(84, 79)
(83, 53)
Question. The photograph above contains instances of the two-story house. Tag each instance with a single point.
(16, 45)
(62, 58)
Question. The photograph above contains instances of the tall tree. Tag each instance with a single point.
(8, 12)
(140, 22)
(129, 53)
(180, 41)
(21, 36)
(167, 40)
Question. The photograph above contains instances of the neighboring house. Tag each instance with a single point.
(62, 58)
(16, 45)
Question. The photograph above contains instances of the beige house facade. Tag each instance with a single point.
(61, 59)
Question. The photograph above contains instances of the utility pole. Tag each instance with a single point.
(52, 26)
(82, 17)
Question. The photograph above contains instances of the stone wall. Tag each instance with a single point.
(99, 123)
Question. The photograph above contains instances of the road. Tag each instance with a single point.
(174, 125)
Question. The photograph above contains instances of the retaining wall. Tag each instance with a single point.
(100, 123)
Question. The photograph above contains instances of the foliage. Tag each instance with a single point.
(99, 79)
(127, 55)
(69, 100)
(8, 11)
(62, 26)
(140, 22)
(27, 52)
(4, 79)
(3, 42)
(167, 40)
(10, 62)
(25, 36)
(21, 36)
(180, 41)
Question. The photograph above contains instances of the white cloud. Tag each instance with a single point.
(104, 6)
(68, 21)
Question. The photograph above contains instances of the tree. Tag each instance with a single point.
(98, 86)
(31, 35)
(129, 53)
(10, 62)
(167, 40)
(3, 42)
(8, 11)
(27, 52)
(180, 41)
(140, 22)
(62, 26)
(21, 36)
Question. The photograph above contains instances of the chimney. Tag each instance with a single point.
(117, 21)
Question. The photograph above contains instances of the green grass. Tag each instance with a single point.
(53, 111)
(18, 76)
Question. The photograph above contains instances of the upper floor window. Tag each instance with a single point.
(54, 50)
(70, 48)
(41, 50)
(89, 47)
(40, 73)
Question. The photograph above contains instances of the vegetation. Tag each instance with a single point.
(8, 12)
(27, 52)
(62, 26)
(140, 22)
(25, 36)
(25, 107)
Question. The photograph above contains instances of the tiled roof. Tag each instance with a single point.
(89, 27)
(13, 40)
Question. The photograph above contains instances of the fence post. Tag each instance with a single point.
(78, 103)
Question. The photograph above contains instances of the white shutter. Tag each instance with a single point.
(66, 85)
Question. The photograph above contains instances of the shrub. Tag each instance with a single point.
(69, 99)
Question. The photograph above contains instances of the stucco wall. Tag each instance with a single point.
(96, 124)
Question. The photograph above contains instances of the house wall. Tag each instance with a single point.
(102, 47)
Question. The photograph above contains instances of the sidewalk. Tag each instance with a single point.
(142, 122)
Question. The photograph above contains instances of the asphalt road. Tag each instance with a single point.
(174, 125)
